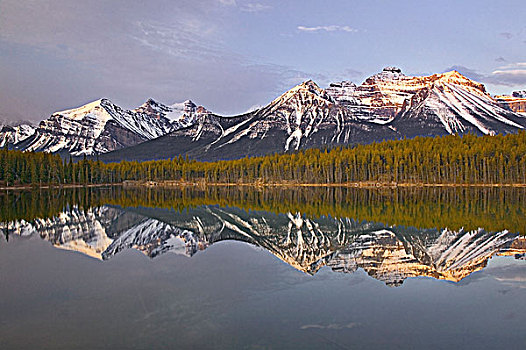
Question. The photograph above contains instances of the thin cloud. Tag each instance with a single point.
(330, 28)
(510, 77)
(513, 66)
(332, 326)
(181, 40)
(510, 74)
(255, 7)
(245, 7)
(506, 35)
(228, 2)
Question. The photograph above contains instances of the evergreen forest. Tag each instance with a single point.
(445, 160)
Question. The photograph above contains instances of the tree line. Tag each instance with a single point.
(467, 159)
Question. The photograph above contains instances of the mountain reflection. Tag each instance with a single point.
(387, 252)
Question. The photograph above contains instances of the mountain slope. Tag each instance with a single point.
(388, 105)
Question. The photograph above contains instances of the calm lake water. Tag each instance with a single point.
(242, 268)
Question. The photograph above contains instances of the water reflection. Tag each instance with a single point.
(394, 246)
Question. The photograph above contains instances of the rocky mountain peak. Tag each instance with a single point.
(151, 103)
(455, 77)
(387, 74)
(153, 108)
(100, 108)
(189, 104)
(302, 95)
(309, 86)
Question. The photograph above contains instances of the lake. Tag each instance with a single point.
(263, 268)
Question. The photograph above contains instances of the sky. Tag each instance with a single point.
(233, 55)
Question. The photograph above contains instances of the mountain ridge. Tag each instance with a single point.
(102, 126)
(387, 105)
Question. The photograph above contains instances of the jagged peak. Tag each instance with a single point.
(453, 74)
(151, 104)
(299, 94)
(308, 85)
(104, 101)
(187, 103)
(388, 73)
(150, 101)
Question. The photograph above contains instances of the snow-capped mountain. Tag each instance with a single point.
(101, 126)
(387, 105)
(12, 134)
(387, 253)
(180, 114)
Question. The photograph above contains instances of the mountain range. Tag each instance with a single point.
(99, 127)
(387, 105)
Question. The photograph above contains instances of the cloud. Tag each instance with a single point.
(512, 74)
(514, 65)
(329, 28)
(500, 59)
(506, 35)
(228, 2)
(255, 7)
(56, 54)
(332, 326)
(510, 77)
(245, 7)
(180, 39)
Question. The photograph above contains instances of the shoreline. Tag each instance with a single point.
(291, 184)
(40, 187)
(168, 184)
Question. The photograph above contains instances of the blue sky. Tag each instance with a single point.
(230, 55)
